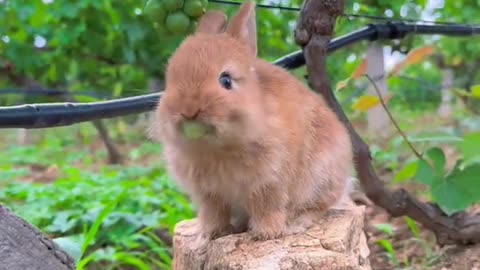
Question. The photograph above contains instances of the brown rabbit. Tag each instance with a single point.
(271, 148)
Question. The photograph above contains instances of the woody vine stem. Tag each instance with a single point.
(313, 34)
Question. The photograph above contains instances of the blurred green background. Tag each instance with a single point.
(113, 216)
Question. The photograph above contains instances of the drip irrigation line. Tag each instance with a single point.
(258, 5)
(49, 93)
(32, 116)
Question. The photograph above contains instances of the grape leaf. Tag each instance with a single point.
(470, 147)
(431, 174)
(459, 189)
(407, 172)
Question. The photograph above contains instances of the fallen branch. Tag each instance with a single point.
(313, 33)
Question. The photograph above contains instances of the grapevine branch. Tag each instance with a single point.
(382, 102)
(313, 33)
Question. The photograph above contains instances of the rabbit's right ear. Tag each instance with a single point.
(212, 22)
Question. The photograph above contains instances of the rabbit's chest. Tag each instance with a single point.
(233, 180)
(229, 179)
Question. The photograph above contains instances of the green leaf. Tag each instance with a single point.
(425, 173)
(413, 226)
(407, 172)
(431, 174)
(459, 189)
(71, 244)
(387, 245)
(470, 148)
(438, 157)
(385, 228)
(131, 260)
(92, 232)
(62, 222)
(476, 91)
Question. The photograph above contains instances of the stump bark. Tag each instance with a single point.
(23, 247)
(337, 241)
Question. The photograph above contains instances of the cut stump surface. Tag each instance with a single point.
(337, 241)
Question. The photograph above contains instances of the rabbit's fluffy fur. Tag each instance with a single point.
(275, 151)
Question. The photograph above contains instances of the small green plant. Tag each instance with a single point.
(386, 244)
(105, 218)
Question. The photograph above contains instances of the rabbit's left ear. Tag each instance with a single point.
(243, 26)
(213, 22)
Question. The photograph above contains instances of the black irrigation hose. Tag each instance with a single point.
(49, 93)
(62, 114)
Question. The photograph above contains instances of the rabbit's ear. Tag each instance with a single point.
(244, 27)
(213, 22)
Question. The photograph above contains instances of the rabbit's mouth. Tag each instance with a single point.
(194, 129)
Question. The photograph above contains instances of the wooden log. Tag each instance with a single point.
(23, 247)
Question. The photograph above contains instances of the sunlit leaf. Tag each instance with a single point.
(387, 245)
(360, 70)
(476, 91)
(413, 57)
(366, 102)
(412, 226)
(407, 172)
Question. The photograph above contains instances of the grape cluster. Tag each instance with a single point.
(175, 17)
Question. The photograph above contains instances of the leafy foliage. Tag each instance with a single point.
(455, 190)
(106, 216)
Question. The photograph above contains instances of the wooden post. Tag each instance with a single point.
(378, 121)
(23, 137)
(445, 109)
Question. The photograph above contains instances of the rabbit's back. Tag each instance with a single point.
(318, 145)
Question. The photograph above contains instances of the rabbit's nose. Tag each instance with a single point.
(190, 114)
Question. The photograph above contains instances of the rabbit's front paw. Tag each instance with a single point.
(213, 233)
(267, 234)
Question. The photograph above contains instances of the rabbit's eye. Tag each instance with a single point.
(226, 81)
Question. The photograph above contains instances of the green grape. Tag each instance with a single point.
(194, 130)
(193, 8)
(173, 5)
(155, 11)
(177, 22)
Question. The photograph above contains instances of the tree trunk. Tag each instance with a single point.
(23, 247)
(114, 156)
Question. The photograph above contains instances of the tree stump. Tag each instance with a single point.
(337, 241)
(23, 247)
